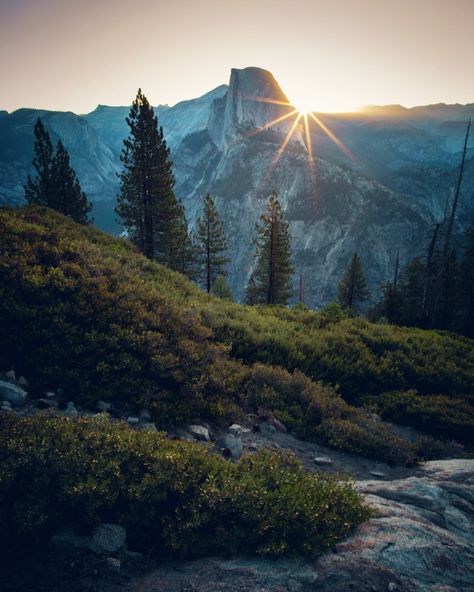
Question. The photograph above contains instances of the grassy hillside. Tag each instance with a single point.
(84, 311)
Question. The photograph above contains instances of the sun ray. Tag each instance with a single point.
(270, 123)
(267, 100)
(334, 138)
(286, 140)
(309, 148)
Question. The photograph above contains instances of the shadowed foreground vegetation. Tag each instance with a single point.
(174, 498)
(84, 311)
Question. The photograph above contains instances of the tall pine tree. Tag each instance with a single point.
(273, 269)
(66, 195)
(56, 184)
(211, 245)
(353, 289)
(147, 205)
(38, 190)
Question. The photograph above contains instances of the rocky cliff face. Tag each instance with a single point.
(383, 197)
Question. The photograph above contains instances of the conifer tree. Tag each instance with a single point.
(353, 286)
(221, 288)
(147, 205)
(180, 249)
(211, 245)
(66, 195)
(273, 270)
(251, 296)
(466, 285)
(37, 191)
(56, 184)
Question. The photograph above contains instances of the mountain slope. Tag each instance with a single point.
(382, 199)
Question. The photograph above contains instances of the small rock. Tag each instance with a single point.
(70, 409)
(235, 428)
(132, 419)
(46, 404)
(10, 376)
(6, 406)
(268, 428)
(103, 406)
(108, 539)
(22, 382)
(378, 474)
(12, 393)
(392, 587)
(66, 541)
(149, 426)
(276, 423)
(50, 395)
(145, 416)
(230, 445)
(135, 556)
(322, 460)
(199, 432)
(113, 564)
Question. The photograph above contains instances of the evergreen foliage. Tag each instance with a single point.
(147, 205)
(211, 245)
(352, 289)
(251, 294)
(273, 269)
(38, 191)
(56, 184)
(221, 288)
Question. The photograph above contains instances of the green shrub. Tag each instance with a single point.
(173, 497)
(436, 414)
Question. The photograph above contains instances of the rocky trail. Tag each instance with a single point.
(420, 537)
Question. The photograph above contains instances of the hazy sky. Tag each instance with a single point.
(326, 54)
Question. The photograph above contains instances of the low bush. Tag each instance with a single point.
(175, 498)
(435, 414)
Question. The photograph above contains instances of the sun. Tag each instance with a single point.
(303, 107)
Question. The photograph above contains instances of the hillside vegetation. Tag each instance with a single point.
(173, 497)
(84, 311)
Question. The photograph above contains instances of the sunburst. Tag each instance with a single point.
(302, 115)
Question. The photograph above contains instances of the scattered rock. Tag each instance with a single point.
(22, 382)
(67, 541)
(10, 376)
(103, 406)
(6, 406)
(392, 587)
(50, 395)
(113, 564)
(322, 460)
(150, 427)
(267, 428)
(12, 393)
(235, 428)
(145, 416)
(378, 474)
(108, 539)
(230, 446)
(277, 424)
(199, 432)
(132, 419)
(70, 409)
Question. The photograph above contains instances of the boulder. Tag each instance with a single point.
(10, 376)
(149, 426)
(199, 432)
(132, 420)
(12, 393)
(50, 395)
(22, 382)
(108, 539)
(230, 446)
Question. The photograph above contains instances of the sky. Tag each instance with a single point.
(327, 55)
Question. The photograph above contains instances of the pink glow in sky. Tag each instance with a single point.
(328, 55)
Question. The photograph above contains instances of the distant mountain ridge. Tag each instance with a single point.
(384, 199)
